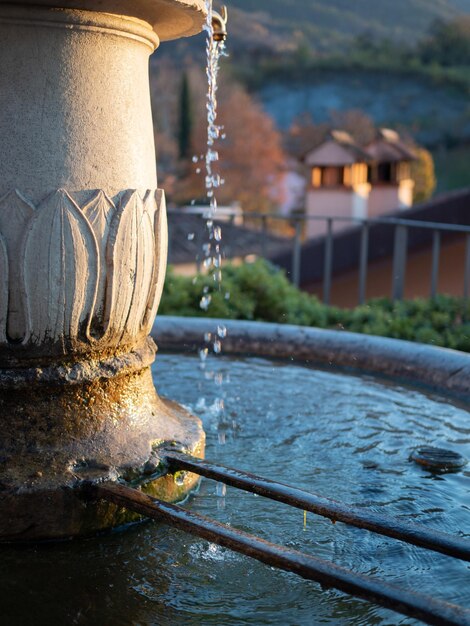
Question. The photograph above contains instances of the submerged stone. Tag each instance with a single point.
(438, 459)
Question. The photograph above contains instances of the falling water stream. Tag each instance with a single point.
(212, 247)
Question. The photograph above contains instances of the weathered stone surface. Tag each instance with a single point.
(60, 433)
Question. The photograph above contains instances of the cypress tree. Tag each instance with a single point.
(185, 121)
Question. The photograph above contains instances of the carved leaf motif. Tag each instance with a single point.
(61, 265)
(130, 265)
(15, 213)
(3, 291)
(160, 238)
(121, 254)
(145, 263)
(100, 212)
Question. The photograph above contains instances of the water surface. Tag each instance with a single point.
(339, 435)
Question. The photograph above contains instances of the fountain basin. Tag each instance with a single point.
(343, 435)
(443, 370)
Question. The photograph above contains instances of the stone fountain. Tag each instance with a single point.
(82, 260)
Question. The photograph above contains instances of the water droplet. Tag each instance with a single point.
(217, 233)
(190, 236)
(200, 404)
(221, 490)
(198, 170)
(203, 352)
(227, 295)
(193, 202)
(207, 337)
(221, 331)
(205, 302)
(219, 405)
(217, 346)
(195, 159)
(205, 289)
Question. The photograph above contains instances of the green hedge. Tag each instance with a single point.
(259, 291)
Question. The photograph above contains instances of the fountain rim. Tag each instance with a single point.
(169, 19)
(432, 368)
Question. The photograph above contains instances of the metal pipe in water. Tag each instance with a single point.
(425, 608)
(336, 511)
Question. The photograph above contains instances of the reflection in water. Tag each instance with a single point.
(339, 435)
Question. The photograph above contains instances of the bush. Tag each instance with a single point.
(259, 291)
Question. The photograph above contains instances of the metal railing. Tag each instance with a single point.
(364, 229)
(398, 237)
(426, 608)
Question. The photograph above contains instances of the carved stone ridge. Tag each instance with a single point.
(80, 372)
(80, 275)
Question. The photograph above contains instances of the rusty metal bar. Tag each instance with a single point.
(363, 255)
(436, 249)
(425, 608)
(336, 511)
(328, 261)
(296, 253)
(466, 279)
(442, 226)
(264, 237)
(399, 262)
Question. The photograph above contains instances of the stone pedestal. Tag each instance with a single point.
(83, 247)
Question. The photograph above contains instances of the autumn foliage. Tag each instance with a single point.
(251, 157)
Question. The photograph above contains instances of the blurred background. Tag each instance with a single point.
(330, 109)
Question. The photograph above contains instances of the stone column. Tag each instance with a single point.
(83, 247)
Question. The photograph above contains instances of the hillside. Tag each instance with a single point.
(270, 27)
(326, 23)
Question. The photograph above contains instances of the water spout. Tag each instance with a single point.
(219, 24)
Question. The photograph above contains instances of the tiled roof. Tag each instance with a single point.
(389, 148)
(338, 149)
